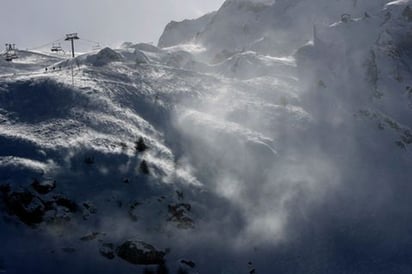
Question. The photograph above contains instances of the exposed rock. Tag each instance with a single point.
(189, 263)
(186, 267)
(89, 160)
(90, 237)
(43, 187)
(140, 145)
(144, 168)
(179, 214)
(131, 212)
(180, 32)
(252, 269)
(32, 210)
(67, 203)
(107, 251)
(180, 195)
(27, 207)
(90, 207)
(140, 253)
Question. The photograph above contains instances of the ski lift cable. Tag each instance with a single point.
(90, 41)
(48, 44)
(96, 43)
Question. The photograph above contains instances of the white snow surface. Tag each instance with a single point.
(273, 145)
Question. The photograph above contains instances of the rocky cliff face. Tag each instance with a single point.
(184, 32)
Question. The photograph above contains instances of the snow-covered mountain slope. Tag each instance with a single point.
(142, 158)
(183, 32)
(83, 138)
(268, 27)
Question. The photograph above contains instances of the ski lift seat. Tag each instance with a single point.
(56, 48)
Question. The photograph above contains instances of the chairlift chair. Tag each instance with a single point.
(10, 56)
(11, 53)
(56, 48)
(97, 47)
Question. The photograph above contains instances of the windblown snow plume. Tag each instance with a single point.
(265, 137)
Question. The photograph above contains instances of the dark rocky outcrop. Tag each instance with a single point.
(140, 253)
(107, 251)
(178, 213)
(26, 206)
(140, 145)
(30, 208)
(43, 187)
(188, 263)
(67, 203)
(144, 168)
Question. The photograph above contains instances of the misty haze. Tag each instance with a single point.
(206, 137)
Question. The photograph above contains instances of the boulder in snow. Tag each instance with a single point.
(43, 187)
(140, 253)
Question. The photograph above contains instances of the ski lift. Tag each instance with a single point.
(11, 57)
(11, 52)
(97, 47)
(56, 48)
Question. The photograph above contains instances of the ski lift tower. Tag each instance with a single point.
(71, 37)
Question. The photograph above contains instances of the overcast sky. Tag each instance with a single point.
(30, 23)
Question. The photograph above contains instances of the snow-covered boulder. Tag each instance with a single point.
(43, 187)
(140, 253)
